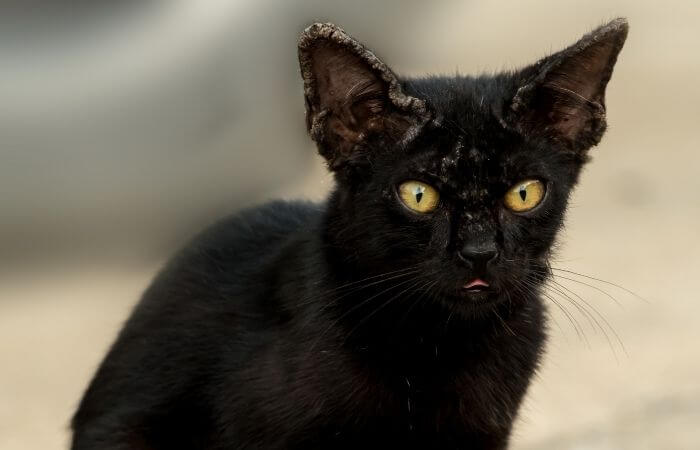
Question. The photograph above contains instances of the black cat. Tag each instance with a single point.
(404, 312)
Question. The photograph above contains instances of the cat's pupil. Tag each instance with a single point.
(523, 193)
(419, 193)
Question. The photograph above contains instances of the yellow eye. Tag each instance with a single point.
(524, 196)
(418, 196)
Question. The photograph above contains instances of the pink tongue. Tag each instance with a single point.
(476, 282)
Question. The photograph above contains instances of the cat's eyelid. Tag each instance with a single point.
(429, 178)
(516, 181)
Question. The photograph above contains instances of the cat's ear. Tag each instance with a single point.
(563, 96)
(351, 96)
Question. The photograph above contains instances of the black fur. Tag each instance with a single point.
(345, 325)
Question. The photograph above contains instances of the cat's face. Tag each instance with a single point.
(468, 205)
(464, 180)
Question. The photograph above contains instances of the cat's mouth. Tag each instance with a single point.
(476, 285)
(477, 289)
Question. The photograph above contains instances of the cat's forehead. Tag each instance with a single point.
(465, 145)
(466, 164)
(458, 162)
(458, 152)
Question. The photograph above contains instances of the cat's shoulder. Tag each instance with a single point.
(231, 253)
(270, 221)
(247, 238)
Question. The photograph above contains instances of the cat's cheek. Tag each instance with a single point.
(519, 233)
(440, 234)
(509, 223)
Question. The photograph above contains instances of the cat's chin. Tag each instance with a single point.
(477, 299)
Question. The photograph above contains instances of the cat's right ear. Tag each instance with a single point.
(563, 97)
(352, 98)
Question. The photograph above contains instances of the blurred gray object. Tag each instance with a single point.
(131, 124)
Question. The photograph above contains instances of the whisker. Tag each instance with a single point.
(605, 321)
(551, 316)
(603, 281)
(574, 323)
(584, 312)
(354, 308)
(379, 308)
(425, 288)
(519, 290)
(592, 320)
(505, 325)
(394, 275)
(607, 294)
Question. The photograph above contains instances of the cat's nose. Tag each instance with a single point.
(478, 254)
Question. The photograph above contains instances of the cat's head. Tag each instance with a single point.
(464, 180)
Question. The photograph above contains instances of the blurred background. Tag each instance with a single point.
(127, 126)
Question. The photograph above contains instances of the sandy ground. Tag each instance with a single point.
(634, 221)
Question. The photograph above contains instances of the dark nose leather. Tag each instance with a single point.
(478, 254)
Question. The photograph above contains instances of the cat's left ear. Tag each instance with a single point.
(351, 96)
(563, 96)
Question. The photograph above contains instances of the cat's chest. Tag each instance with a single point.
(414, 389)
(430, 395)
(426, 410)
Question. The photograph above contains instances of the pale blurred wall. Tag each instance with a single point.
(126, 126)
